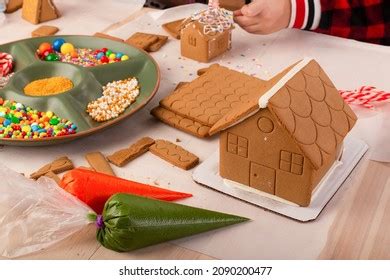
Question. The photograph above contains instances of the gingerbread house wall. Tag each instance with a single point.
(219, 44)
(200, 47)
(261, 154)
(193, 44)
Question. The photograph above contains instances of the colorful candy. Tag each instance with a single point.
(52, 57)
(57, 44)
(44, 47)
(18, 121)
(67, 48)
(62, 51)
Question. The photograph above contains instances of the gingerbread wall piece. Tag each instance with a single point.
(59, 165)
(124, 156)
(207, 34)
(99, 163)
(174, 154)
(44, 30)
(212, 95)
(13, 5)
(37, 11)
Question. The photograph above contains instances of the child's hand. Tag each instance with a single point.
(264, 16)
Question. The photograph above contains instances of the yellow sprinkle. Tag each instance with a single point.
(49, 86)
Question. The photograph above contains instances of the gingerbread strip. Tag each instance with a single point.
(142, 40)
(173, 28)
(44, 30)
(106, 36)
(123, 157)
(59, 165)
(174, 154)
(187, 125)
(99, 163)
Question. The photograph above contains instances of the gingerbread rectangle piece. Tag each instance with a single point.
(59, 165)
(44, 30)
(106, 36)
(142, 40)
(174, 154)
(122, 157)
(162, 40)
(173, 28)
(187, 125)
(99, 163)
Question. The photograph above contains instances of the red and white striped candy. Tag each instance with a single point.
(365, 96)
(6, 64)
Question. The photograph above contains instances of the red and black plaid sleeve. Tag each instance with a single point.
(363, 20)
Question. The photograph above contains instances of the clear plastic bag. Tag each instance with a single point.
(35, 214)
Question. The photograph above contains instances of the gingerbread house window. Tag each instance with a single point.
(192, 41)
(291, 162)
(237, 145)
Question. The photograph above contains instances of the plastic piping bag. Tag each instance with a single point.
(37, 214)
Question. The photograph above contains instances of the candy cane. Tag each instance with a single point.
(365, 96)
(6, 64)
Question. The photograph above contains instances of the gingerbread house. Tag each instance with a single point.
(37, 11)
(279, 137)
(207, 34)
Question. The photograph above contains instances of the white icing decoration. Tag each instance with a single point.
(264, 99)
(214, 20)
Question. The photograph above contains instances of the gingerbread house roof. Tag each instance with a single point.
(221, 20)
(306, 103)
(214, 94)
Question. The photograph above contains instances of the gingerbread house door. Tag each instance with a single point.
(262, 178)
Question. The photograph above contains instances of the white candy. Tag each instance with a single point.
(117, 97)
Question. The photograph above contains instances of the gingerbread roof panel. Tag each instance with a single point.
(320, 132)
(217, 91)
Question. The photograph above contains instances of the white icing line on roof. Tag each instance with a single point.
(264, 99)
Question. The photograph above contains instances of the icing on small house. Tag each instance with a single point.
(285, 138)
(207, 34)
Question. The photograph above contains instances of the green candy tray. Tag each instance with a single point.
(88, 83)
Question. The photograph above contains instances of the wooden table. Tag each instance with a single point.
(360, 227)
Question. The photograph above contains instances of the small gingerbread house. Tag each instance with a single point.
(207, 34)
(286, 138)
(37, 11)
